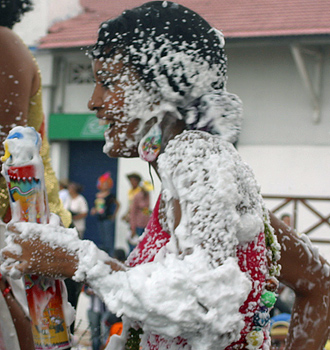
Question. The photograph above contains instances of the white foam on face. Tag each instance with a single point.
(134, 103)
(193, 75)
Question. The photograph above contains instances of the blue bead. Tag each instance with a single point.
(261, 317)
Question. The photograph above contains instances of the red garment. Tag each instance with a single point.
(152, 240)
(251, 259)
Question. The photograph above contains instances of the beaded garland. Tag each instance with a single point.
(255, 336)
(254, 339)
(4, 197)
(133, 340)
(257, 258)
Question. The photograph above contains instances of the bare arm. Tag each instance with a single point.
(79, 216)
(21, 321)
(19, 80)
(43, 257)
(308, 275)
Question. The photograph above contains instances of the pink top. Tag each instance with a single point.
(139, 211)
(251, 259)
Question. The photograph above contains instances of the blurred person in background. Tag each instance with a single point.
(134, 180)
(78, 207)
(95, 312)
(286, 218)
(139, 213)
(105, 208)
(111, 323)
(63, 192)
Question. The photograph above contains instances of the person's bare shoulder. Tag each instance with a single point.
(15, 56)
(19, 80)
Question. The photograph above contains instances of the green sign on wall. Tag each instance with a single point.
(75, 127)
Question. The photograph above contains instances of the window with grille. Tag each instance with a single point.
(80, 73)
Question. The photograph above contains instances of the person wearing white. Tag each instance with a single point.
(63, 192)
(76, 203)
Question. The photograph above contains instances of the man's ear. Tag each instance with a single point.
(170, 126)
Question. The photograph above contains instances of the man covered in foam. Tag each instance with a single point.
(203, 273)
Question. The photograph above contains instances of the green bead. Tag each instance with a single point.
(268, 299)
(133, 340)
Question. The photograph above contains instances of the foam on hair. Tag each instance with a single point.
(176, 52)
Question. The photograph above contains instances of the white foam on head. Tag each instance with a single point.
(193, 75)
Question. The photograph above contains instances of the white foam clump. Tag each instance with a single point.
(170, 296)
(249, 225)
(218, 112)
(23, 144)
(10, 264)
(194, 288)
(9, 268)
(186, 298)
(219, 198)
(90, 257)
(57, 236)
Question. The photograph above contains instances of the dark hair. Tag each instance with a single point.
(119, 254)
(77, 187)
(285, 216)
(11, 11)
(168, 29)
(134, 176)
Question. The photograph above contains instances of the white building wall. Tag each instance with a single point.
(298, 171)
(45, 62)
(72, 97)
(290, 170)
(289, 153)
(60, 159)
(277, 107)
